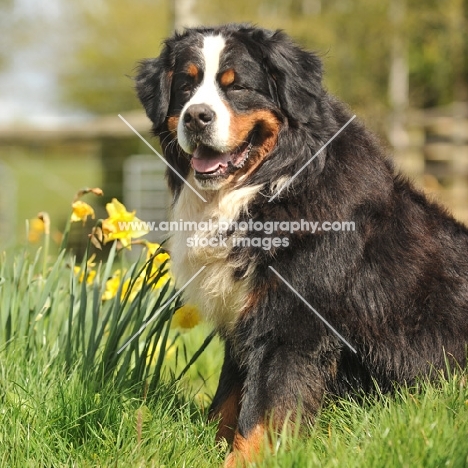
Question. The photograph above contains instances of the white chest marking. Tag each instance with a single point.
(219, 296)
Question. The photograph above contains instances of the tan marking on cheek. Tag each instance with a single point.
(172, 123)
(268, 127)
(192, 70)
(227, 77)
(243, 124)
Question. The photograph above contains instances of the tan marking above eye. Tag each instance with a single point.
(192, 70)
(227, 77)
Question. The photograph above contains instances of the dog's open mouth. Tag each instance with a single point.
(208, 162)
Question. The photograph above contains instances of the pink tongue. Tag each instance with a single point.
(206, 160)
(205, 165)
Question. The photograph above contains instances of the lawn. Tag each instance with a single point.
(75, 392)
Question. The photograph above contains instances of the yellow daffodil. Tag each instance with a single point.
(157, 262)
(91, 273)
(148, 277)
(137, 285)
(186, 317)
(162, 281)
(112, 286)
(84, 191)
(81, 211)
(161, 258)
(151, 248)
(36, 229)
(121, 224)
(89, 277)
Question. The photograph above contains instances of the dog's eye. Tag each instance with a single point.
(237, 87)
(186, 87)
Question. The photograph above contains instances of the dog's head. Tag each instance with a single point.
(218, 98)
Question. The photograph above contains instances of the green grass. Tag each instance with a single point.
(69, 399)
(50, 417)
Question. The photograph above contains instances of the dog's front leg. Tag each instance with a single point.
(281, 384)
(226, 403)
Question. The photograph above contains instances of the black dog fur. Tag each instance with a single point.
(396, 288)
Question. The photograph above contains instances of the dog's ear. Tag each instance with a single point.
(295, 74)
(153, 87)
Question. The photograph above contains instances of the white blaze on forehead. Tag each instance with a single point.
(212, 48)
(209, 93)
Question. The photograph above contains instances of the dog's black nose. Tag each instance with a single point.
(197, 117)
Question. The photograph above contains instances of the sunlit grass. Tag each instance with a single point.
(50, 417)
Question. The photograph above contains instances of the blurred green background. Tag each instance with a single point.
(66, 68)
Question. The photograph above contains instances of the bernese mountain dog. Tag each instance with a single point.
(251, 136)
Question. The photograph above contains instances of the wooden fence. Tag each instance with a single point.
(435, 153)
